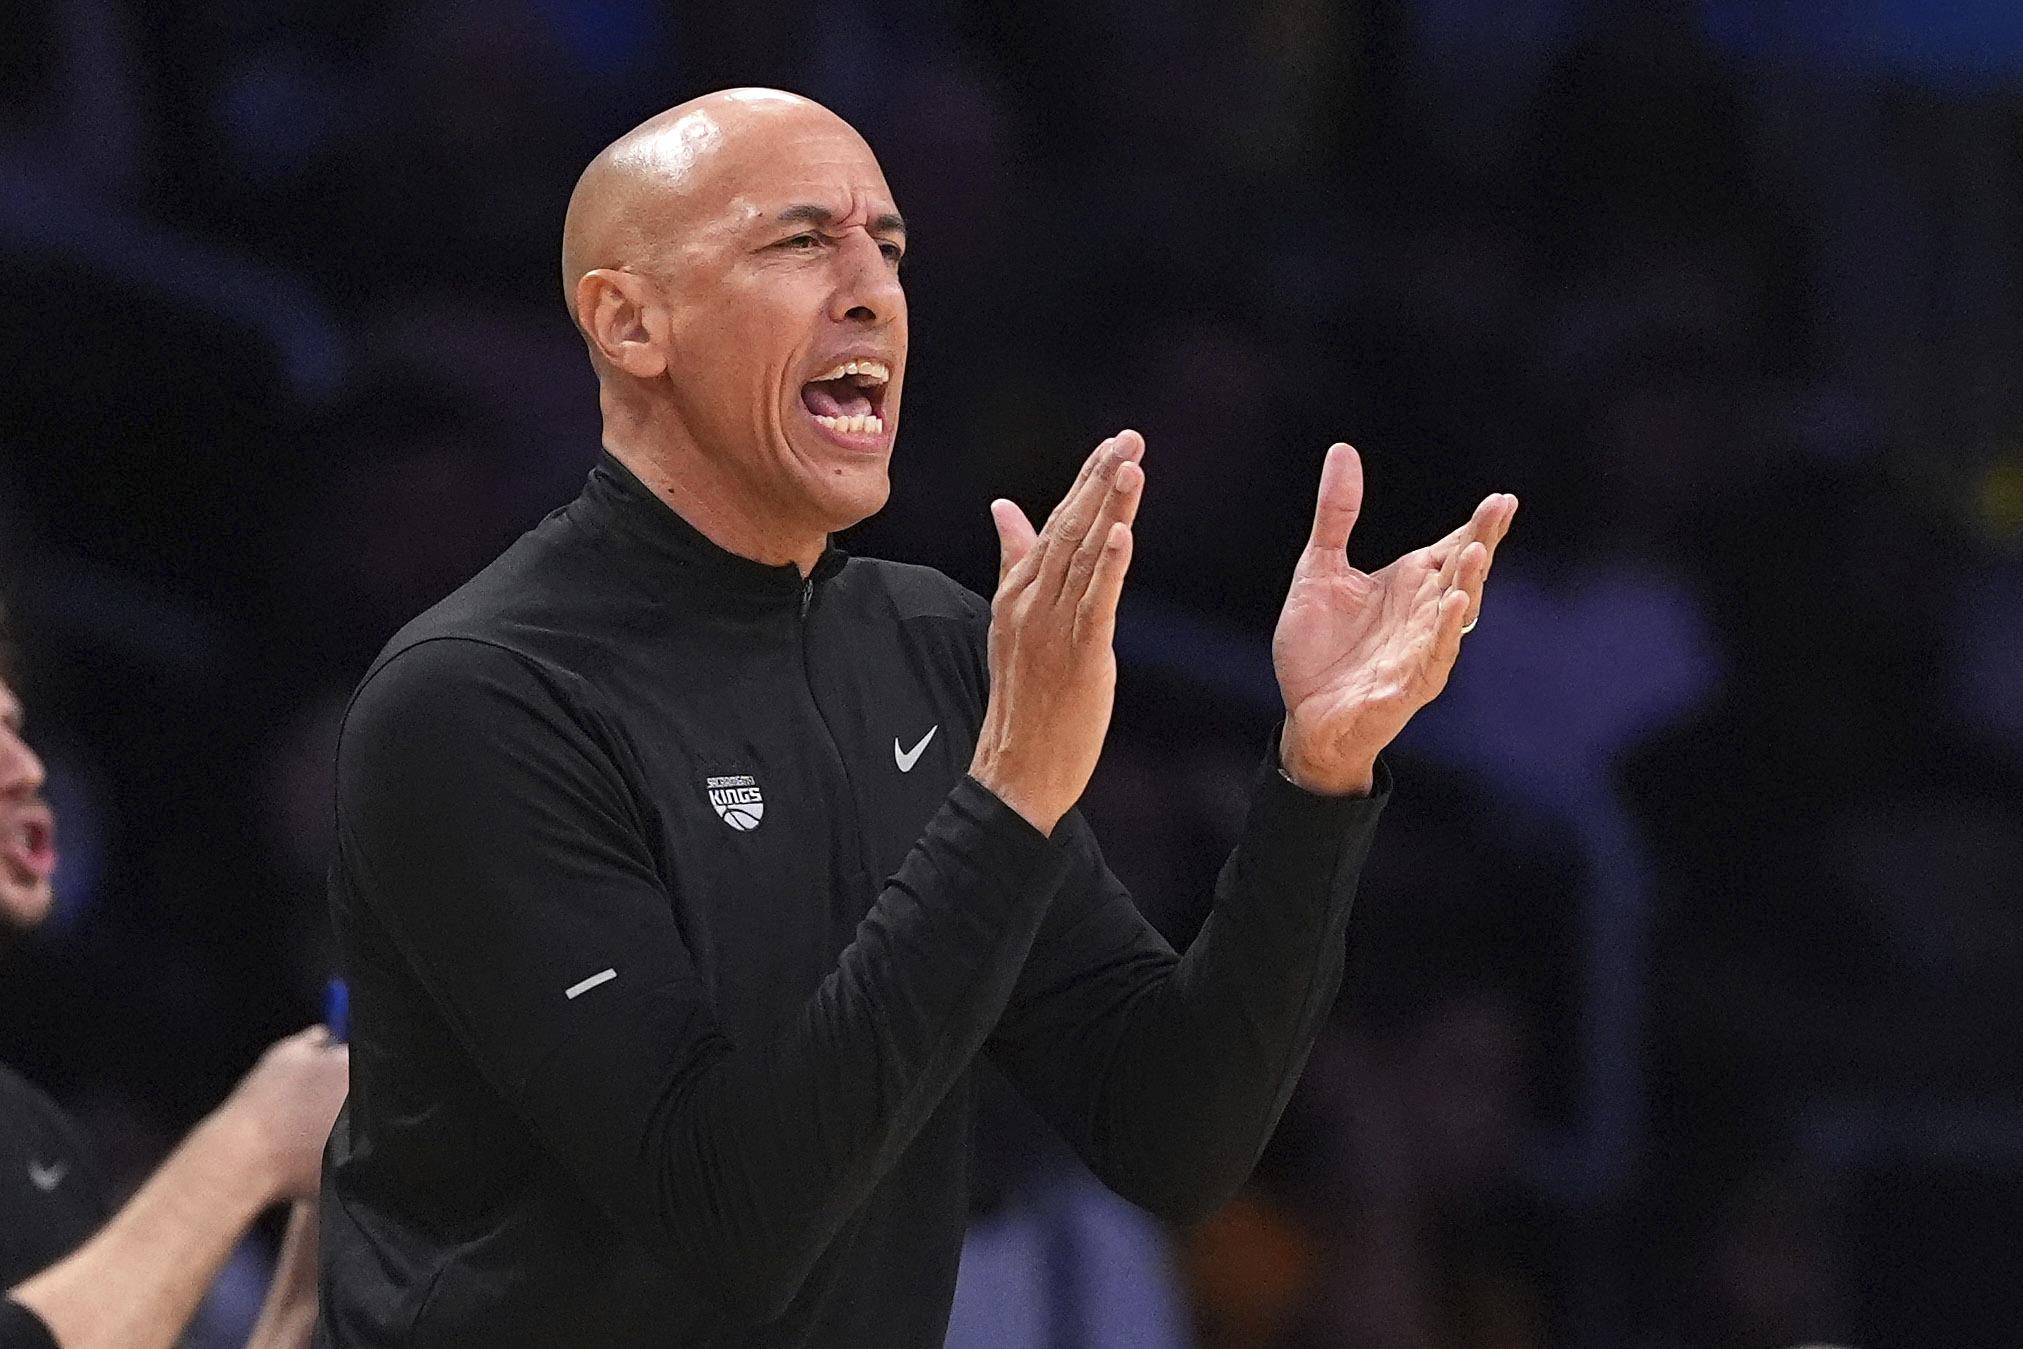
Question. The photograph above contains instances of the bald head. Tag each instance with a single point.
(733, 265)
(678, 171)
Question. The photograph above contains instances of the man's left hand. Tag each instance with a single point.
(1358, 653)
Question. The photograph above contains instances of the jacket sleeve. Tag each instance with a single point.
(483, 820)
(21, 1328)
(1168, 1073)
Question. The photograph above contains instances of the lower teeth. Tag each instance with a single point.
(862, 424)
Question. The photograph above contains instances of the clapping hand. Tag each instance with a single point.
(1357, 654)
(1053, 672)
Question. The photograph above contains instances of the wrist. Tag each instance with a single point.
(1323, 774)
(991, 771)
(1034, 814)
(239, 1140)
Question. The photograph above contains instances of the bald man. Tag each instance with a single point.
(686, 867)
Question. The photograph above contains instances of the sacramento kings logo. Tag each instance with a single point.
(737, 800)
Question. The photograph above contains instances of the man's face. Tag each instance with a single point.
(786, 337)
(27, 829)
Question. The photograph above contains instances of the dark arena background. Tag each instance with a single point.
(1682, 1008)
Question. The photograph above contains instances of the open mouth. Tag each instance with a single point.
(30, 844)
(850, 399)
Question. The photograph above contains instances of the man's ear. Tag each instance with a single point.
(612, 309)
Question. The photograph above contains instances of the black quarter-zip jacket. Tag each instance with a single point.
(674, 929)
(52, 1198)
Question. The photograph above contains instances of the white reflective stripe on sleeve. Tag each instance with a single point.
(604, 977)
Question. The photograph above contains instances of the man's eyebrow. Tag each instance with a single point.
(809, 213)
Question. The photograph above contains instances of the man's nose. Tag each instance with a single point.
(21, 771)
(869, 290)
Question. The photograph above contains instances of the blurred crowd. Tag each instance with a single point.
(1680, 1009)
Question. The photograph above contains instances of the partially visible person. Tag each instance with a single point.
(81, 1275)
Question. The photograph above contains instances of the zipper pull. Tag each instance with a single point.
(807, 594)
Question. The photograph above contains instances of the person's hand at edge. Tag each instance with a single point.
(288, 1316)
(136, 1283)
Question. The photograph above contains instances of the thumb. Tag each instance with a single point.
(1015, 536)
(1340, 499)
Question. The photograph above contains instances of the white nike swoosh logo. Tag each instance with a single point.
(47, 1178)
(906, 758)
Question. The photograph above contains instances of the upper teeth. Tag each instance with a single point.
(877, 370)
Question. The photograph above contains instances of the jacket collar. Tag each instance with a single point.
(655, 541)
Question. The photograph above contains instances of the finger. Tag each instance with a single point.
(1113, 450)
(1509, 515)
(1501, 529)
(1096, 456)
(1446, 641)
(1071, 516)
(1471, 571)
(1015, 536)
(1483, 527)
(1082, 514)
(1481, 524)
(1491, 530)
(1463, 574)
(1096, 615)
(1127, 488)
(1340, 499)
(1486, 526)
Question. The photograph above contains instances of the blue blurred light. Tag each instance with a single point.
(608, 37)
(81, 832)
(1948, 43)
(279, 109)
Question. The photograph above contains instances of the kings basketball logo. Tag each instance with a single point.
(737, 800)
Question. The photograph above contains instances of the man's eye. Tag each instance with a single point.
(801, 241)
(893, 253)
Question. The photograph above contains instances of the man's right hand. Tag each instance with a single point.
(1053, 671)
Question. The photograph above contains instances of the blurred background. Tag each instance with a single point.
(1681, 1008)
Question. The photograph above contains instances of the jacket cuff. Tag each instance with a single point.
(1002, 844)
(1296, 832)
(21, 1328)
